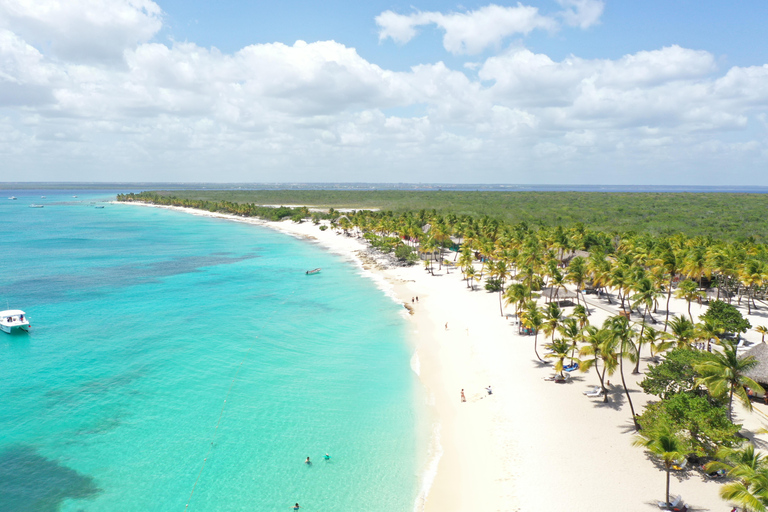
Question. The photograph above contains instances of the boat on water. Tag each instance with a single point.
(74, 196)
(313, 271)
(42, 197)
(13, 319)
(12, 198)
(35, 206)
(99, 206)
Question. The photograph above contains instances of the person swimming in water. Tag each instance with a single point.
(296, 507)
(308, 462)
(327, 457)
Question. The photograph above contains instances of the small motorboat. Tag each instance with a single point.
(313, 271)
(42, 197)
(35, 206)
(13, 319)
(12, 198)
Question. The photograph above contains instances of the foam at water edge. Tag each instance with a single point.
(428, 477)
(416, 364)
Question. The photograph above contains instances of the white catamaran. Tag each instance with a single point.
(13, 319)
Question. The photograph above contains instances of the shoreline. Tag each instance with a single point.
(532, 445)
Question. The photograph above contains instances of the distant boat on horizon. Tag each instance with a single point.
(36, 205)
(42, 197)
(313, 271)
(74, 196)
(13, 198)
(99, 206)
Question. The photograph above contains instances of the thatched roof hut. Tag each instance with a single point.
(760, 372)
(562, 293)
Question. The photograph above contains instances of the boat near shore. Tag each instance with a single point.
(12, 320)
(313, 271)
(36, 206)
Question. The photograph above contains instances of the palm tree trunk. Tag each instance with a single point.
(640, 343)
(668, 468)
(669, 295)
(626, 391)
(535, 345)
(730, 405)
(602, 383)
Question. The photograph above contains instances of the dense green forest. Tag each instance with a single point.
(721, 216)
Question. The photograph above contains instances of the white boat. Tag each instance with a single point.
(35, 206)
(12, 198)
(42, 197)
(13, 319)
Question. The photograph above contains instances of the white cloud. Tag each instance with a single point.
(581, 13)
(472, 32)
(276, 112)
(466, 33)
(82, 30)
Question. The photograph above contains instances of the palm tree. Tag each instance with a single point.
(688, 290)
(581, 313)
(533, 319)
(501, 272)
(571, 331)
(553, 317)
(470, 272)
(708, 330)
(725, 372)
(748, 470)
(664, 444)
(600, 346)
(646, 295)
(682, 330)
(577, 274)
(763, 330)
(658, 341)
(619, 326)
(516, 294)
(560, 349)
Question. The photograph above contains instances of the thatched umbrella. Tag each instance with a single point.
(760, 372)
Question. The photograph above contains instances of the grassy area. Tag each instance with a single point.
(722, 216)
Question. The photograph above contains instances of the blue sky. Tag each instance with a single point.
(558, 91)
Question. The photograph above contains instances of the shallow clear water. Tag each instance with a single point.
(145, 320)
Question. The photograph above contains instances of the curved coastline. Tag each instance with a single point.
(532, 445)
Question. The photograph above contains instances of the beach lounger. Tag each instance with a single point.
(566, 377)
(593, 389)
(675, 504)
(571, 367)
(595, 394)
(681, 466)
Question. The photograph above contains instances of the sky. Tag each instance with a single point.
(583, 92)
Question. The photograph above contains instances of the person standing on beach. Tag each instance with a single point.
(417, 298)
(446, 326)
(489, 390)
(463, 398)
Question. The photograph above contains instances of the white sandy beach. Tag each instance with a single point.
(532, 445)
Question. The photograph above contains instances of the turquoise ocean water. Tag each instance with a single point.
(145, 320)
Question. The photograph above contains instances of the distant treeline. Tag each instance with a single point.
(243, 209)
(734, 217)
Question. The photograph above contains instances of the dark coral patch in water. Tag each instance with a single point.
(31, 483)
